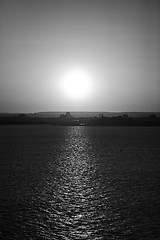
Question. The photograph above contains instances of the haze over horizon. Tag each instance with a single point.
(110, 46)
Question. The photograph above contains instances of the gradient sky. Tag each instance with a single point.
(116, 42)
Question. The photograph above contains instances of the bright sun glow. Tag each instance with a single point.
(76, 84)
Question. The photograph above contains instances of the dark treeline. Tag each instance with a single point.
(68, 120)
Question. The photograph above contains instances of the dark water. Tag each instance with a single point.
(79, 182)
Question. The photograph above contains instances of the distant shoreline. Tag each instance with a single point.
(44, 114)
(68, 119)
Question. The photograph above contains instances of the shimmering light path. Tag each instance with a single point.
(78, 204)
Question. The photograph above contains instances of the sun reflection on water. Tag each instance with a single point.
(76, 188)
(79, 197)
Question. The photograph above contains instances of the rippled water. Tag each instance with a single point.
(79, 182)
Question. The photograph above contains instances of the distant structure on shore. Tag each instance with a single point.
(67, 115)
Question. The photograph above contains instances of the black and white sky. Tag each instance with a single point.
(115, 42)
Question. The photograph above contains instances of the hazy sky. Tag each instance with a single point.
(116, 42)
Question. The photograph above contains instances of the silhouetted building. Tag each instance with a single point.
(152, 116)
(22, 115)
(101, 115)
(66, 116)
(125, 115)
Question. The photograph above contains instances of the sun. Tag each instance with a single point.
(76, 84)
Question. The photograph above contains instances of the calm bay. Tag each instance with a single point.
(79, 182)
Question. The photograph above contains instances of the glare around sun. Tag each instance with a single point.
(76, 84)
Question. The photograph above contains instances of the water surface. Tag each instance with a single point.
(79, 182)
